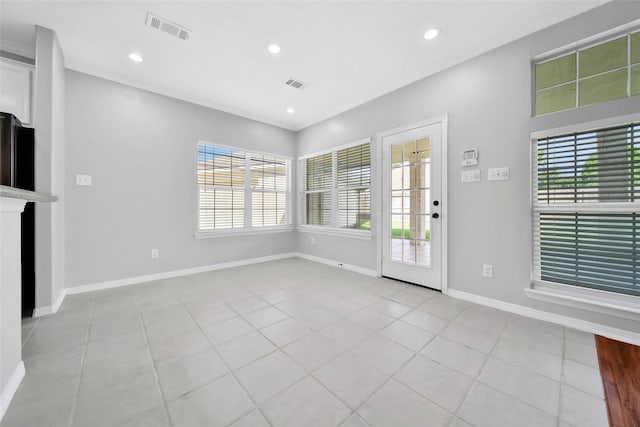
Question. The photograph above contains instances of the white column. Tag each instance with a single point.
(11, 366)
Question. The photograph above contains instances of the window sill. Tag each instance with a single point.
(355, 234)
(241, 232)
(619, 305)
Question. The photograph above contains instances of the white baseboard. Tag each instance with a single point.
(570, 322)
(175, 273)
(6, 395)
(50, 309)
(334, 263)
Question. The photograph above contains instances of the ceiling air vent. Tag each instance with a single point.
(295, 83)
(167, 26)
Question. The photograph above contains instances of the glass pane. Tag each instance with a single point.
(409, 152)
(319, 172)
(422, 175)
(396, 178)
(598, 250)
(319, 208)
(397, 226)
(354, 209)
(268, 173)
(221, 209)
(556, 99)
(397, 199)
(424, 149)
(603, 57)
(635, 80)
(635, 48)
(604, 87)
(396, 155)
(409, 251)
(406, 177)
(354, 166)
(268, 209)
(556, 71)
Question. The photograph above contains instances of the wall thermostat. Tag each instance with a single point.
(470, 157)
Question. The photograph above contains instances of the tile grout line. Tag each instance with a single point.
(153, 362)
(74, 403)
(213, 347)
(488, 356)
(389, 377)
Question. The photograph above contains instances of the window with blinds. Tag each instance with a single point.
(596, 73)
(241, 190)
(336, 188)
(587, 209)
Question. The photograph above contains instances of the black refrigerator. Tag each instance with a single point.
(17, 169)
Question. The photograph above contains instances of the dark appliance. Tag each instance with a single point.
(17, 169)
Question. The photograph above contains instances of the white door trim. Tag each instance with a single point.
(445, 197)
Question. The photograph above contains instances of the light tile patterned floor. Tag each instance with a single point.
(296, 343)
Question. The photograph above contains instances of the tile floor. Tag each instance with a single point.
(296, 343)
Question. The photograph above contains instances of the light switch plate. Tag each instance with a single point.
(498, 174)
(472, 175)
(83, 180)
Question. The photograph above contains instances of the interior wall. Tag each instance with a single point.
(488, 103)
(49, 125)
(140, 150)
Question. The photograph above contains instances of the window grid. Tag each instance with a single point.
(586, 209)
(631, 67)
(241, 190)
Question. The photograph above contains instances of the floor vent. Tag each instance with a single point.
(295, 83)
(154, 21)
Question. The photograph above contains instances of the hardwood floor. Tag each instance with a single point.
(620, 369)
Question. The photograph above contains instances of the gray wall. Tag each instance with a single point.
(140, 149)
(488, 103)
(49, 124)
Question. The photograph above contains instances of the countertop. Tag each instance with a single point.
(30, 196)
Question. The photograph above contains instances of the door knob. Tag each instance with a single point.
(435, 215)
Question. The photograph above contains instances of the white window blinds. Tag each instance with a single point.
(241, 190)
(336, 188)
(587, 209)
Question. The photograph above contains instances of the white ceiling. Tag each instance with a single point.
(349, 52)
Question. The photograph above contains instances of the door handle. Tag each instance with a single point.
(435, 215)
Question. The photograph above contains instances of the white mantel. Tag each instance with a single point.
(12, 203)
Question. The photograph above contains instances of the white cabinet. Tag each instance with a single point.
(16, 81)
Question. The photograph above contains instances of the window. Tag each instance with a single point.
(336, 188)
(241, 191)
(596, 73)
(587, 209)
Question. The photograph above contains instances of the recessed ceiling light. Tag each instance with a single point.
(135, 57)
(290, 110)
(431, 34)
(274, 48)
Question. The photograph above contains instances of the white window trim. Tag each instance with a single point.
(248, 229)
(334, 190)
(605, 302)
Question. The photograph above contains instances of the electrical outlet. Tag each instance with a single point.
(155, 254)
(487, 270)
(84, 180)
(313, 240)
(498, 174)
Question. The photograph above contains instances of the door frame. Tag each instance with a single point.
(443, 120)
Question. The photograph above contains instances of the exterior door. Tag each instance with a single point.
(411, 205)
